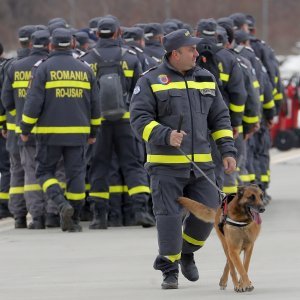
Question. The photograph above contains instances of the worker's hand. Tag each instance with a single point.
(176, 138)
(235, 131)
(229, 164)
(4, 133)
(91, 141)
(24, 138)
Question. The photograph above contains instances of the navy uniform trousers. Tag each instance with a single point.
(168, 213)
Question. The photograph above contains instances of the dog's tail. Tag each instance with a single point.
(200, 210)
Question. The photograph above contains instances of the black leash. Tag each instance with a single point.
(194, 164)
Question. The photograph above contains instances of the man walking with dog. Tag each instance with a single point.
(165, 93)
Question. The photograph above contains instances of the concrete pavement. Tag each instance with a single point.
(117, 263)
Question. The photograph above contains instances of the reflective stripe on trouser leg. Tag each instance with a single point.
(5, 172)
(75, 168)
(100, 163)
(16, 204)
(195, 231)
(250, 159)
(135, 176)
(33, 193)
(51, 207)
(165, 191)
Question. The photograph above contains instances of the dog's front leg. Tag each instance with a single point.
(244, 284)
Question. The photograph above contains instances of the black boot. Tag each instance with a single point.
(37, 223)
(66, 212)
(20, 222)
(188, 267)
(170, 280)
(115, 220)
(52, 220)
(77, 205)
(144, 218)
(4, 211)
(100, 214)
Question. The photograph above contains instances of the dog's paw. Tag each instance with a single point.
(243, 289)
(223, 287)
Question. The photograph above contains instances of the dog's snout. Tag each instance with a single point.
(261, 209)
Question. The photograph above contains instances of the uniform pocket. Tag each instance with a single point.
(206, 103)
(159, 207)
(163, 104)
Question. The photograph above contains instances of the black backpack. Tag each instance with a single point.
(111, 82)
(207, 58)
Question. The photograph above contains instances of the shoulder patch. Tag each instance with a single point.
(131, 51)
(39, 62)
(151, 69)
(136, 90)
(139, 49)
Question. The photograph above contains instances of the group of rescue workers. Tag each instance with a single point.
(68, 155)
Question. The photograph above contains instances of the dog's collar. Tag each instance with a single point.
(235, 223)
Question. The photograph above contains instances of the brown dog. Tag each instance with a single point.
(237, 224)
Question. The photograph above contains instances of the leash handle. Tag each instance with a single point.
(180, 123)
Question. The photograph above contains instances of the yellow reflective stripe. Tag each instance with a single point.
(139, 189)
(32, 187)
(262, 98)
(18, 129)
(192, 240)
(4, 196)
(256, 84)
(276, 79)
(148, 129)
(87, 186)
(252, 177)
(128, 73)
(224, 77)
(75, 196)
(229, 189)
(116, 189)
(240, 128)
(245, 178)
(222, 133)
(68, 83)
(126, 115)
(62, 185)
(2, 118)
(48, 183)
(11, 126)
(269, 172)
(103, 195)
(29, 120)
(181, 85)
(20, 84)
(201, 85)
(16, 190)
(173, 258)
(269, 105)
(63, 130)
(274, 92)
(236, 108)
(13, 112)
(264, 178)
(177, 159)
(125, 188)
(96, 122)
(278, 96)
(251, 120)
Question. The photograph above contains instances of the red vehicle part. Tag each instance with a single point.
(285, 131)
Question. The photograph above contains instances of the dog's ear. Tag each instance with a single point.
(240, 192)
